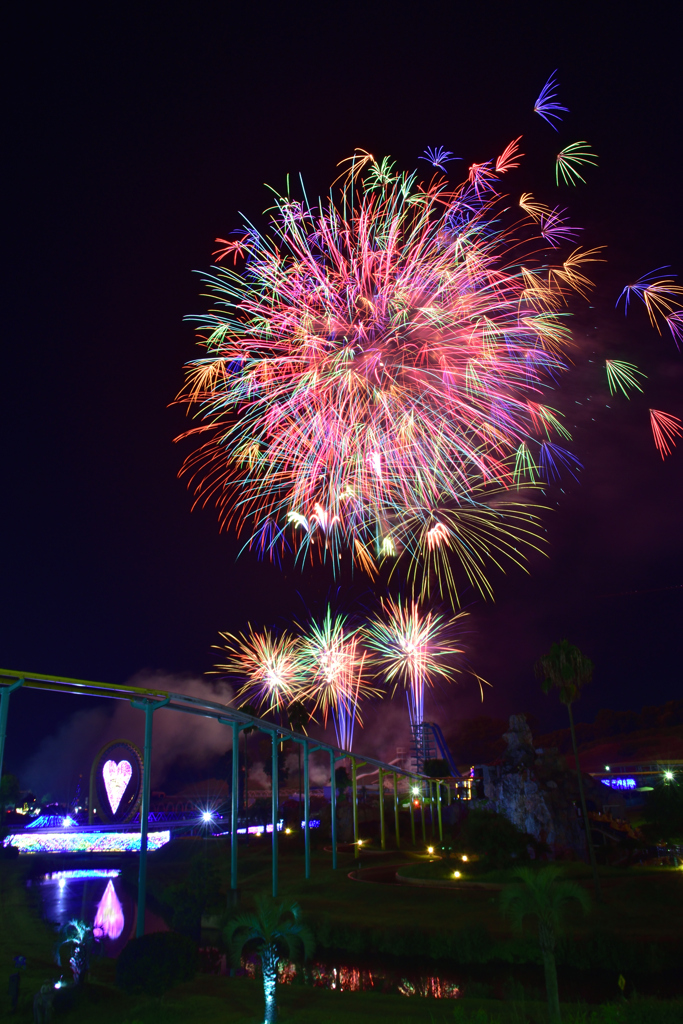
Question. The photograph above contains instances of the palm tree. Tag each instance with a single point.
(566, 669)
(543, 895)
(276, 927)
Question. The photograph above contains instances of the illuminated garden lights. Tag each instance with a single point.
(84, 842)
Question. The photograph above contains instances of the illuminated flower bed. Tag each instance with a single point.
(85, 842)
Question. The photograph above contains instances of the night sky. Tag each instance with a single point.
(135, 135)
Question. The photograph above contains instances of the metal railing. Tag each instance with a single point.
(150, 700)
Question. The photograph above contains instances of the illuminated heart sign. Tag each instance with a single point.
(116, 777)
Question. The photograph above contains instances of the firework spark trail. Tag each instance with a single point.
(568, 161)
(413, 649)
(370, 374)
(621, 375)
(546, 104)
(269, 666)
(659, 296)
(334, 662)
(665, 427)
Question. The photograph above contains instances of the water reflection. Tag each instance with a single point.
(342, 978)
(109, 919)
(96, 897)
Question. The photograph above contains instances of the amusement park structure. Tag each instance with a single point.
(416, 786)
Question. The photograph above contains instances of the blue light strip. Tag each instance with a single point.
(625, 783)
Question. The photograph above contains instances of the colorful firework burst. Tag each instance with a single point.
(374, 369)
(334, 662)
(413, 649)
(269, 667)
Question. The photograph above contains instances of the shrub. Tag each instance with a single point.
(153, 963)
(494, 838)
(187, 900)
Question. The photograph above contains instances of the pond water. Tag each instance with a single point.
(344, 977)
(98, 897)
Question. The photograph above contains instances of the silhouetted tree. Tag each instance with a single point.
(566, 670)
(544, 895)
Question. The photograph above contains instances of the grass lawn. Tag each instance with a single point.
(639, 903)
(210, 998)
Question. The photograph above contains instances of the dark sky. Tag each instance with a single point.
(134, 136)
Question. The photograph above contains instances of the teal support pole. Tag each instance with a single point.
(412, 814)
(354, 795)
(432, 790)
(438, 810)
(333, 810)
(380, 792)
(5, 692)
(398, 835)
(275, 745)
(307, 811)
(149, 707)
(234, 796)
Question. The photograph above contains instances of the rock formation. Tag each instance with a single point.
(535, 790)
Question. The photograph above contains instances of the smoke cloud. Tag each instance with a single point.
(63, 761)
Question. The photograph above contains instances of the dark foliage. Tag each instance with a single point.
(282, 769)
(493, 838)
(187, 900)
(663, 815)
(9, 791)
(341, 777)
(153, 963)
(436, 768)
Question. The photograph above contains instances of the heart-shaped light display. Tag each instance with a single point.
(116, 778)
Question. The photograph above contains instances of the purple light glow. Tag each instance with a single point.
(109, 917)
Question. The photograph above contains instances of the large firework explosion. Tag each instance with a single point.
(376, 368)
(375, 374)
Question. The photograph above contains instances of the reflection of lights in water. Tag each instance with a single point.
(109, 917)
(352, 979)
(53, 876)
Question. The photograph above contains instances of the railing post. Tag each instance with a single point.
(333, 810)
(412, 812)
(234, 804)
(274, 791)
(396, 812)
(149, 707)
(307, 810)
(438, 810)
(423, 818)
(432, 791)
(382, 831)
(5, 692)
(354, 790)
